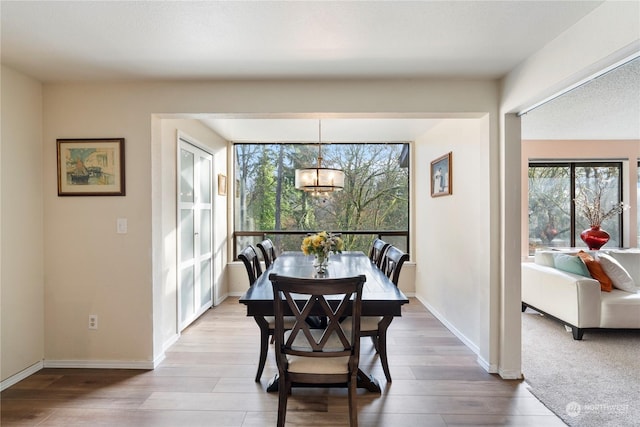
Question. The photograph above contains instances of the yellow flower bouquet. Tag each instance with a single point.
(321, 245)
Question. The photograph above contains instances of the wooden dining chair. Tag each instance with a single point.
(378, 248)
(249, 258)
(251, 262)
(268, 252)
(375, 326)
(328, 354)
(392, 262)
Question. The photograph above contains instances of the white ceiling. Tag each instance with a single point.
(87, 40)
(55, 41)
(607, 107)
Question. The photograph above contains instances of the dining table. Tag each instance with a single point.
(380, 296)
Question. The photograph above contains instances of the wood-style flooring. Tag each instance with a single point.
(207, 379)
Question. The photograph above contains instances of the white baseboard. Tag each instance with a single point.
(510, 375)
(100, 364)
(235, 294)
(472, 346)
(490, 368)
(14, 379)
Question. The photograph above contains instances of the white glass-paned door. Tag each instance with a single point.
(195, 213)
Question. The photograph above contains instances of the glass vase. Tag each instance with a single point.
(594, 237)
(320, 263)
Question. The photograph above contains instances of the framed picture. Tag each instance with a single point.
(441, 176)
(222, 185)
(91, 167)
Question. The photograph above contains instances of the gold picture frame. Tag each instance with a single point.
(442, 176)
(91, 167)
(222, 185)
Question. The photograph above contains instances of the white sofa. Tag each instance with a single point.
(576, 300)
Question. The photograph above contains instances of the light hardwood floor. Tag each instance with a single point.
(207, 379)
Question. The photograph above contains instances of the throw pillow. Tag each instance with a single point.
(571, 264)
(596, 271)
(619, 276)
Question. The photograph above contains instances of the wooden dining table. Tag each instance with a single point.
(380, 296)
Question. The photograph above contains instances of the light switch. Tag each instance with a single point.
(122, 226)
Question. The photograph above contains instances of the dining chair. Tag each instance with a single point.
(378, 248)
(392, 262)
(251, 262)
(249, 258)
(268, 252)
(376, 326)
(328, 354)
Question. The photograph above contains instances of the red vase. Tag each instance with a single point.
(594, 237)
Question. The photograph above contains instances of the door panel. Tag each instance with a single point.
(195, 213)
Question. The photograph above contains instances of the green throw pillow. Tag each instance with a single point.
(571, 264)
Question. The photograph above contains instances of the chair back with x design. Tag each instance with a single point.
(320, 354)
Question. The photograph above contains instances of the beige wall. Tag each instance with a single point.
(120, 280)
(21, 260)
(166, 301)
(453, 233)
(91, 269)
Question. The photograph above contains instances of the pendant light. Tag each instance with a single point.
(318, 179)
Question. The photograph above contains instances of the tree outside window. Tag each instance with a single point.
(553, 219)
(375, 195)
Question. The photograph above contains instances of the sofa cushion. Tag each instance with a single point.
(630, 260)
(544, 258)
(571, 264)
(620, 309)
(596, 271)
(619, 276)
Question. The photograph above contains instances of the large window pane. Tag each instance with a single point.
(606, 177)
(553, 219)
(549, 206)
(375, 196)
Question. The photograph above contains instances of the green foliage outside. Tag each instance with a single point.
(375, 197)
(552, 188)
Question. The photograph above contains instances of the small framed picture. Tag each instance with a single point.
(222, 185)
(441, 176)
(91, 167)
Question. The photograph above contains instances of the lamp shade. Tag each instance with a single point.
(319, 179)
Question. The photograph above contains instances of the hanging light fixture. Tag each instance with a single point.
(318, 179)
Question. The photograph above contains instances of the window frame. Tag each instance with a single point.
(393, 234)
(572, 165)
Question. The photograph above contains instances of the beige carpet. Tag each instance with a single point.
(590, 383)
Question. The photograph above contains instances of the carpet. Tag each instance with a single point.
(590, 383)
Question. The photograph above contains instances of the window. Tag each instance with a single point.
(375, 199)
(553, 220)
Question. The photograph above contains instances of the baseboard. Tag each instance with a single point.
(221, 299)
(472, 346)
(100, 364)
(492, 369)
(235, 294)
(14, 379)
(510, 375)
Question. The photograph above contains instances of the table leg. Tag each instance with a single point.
(273, 384)
(368, 382)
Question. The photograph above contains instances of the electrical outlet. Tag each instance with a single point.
(93, 321)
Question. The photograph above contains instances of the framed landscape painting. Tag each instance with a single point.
(441, 176)
(91, 167)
